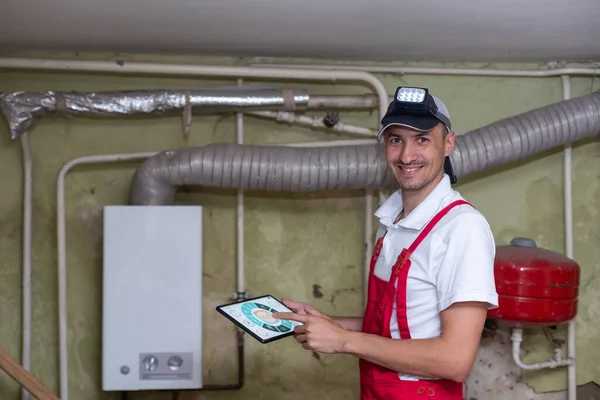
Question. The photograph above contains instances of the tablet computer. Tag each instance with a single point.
(255, 316)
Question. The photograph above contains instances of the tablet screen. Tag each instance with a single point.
(255, 316)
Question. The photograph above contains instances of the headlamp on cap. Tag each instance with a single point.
(417, 102)
(411, 95)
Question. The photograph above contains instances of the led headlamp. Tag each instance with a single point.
(417, 102)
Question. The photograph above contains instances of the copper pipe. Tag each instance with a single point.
(24, 378)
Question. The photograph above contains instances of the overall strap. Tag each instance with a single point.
(376, 251)
(434, 222)
(401, 272)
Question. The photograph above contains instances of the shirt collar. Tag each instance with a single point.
(417, 219)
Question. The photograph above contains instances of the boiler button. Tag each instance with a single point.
(175, 362)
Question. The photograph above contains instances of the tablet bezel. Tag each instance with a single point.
(246, 329)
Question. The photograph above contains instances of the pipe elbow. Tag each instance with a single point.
(151, 182)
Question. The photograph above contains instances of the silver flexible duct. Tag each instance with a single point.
(357, 167)
(21, 109)
(248, 167)
(516, 138)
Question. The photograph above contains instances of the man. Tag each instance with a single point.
(432, 272)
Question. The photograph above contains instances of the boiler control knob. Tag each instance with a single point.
(150, 363)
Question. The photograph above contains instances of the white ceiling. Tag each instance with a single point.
(463, 30)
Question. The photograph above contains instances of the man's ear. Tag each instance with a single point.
(449, 143)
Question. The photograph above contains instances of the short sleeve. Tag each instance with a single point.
(466, 266)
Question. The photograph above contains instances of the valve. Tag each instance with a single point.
(240, 296)
(331, 118)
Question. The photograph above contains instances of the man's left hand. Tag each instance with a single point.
(319, 333)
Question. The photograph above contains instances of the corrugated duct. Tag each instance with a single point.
(278, 168)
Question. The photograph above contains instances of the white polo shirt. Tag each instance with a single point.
(454, 263)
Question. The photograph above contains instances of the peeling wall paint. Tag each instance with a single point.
(303, 246)
(496, 376)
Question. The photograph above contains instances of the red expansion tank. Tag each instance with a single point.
(536, 287)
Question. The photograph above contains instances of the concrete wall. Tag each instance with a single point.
(303, 247)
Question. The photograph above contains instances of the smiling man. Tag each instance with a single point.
(432, 272)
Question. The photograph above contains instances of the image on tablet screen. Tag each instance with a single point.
(257, 315)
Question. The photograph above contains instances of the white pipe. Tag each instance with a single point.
(382, 197)
(368, 242)
(568, 179)
(240, 210)
(62, 253)
(27, 228)
(439, 71)
(568, 195)
(517, 338)
(315, 122)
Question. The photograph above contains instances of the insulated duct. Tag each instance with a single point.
(21, 109)
(281, 168)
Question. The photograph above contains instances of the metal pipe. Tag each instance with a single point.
(21, 109)
(315, 122)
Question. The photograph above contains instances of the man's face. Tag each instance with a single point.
(417, 158)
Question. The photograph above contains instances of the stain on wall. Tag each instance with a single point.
(308, 247)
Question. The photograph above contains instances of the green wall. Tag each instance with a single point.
(293, 241)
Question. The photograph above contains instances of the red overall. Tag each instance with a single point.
(379, 382)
